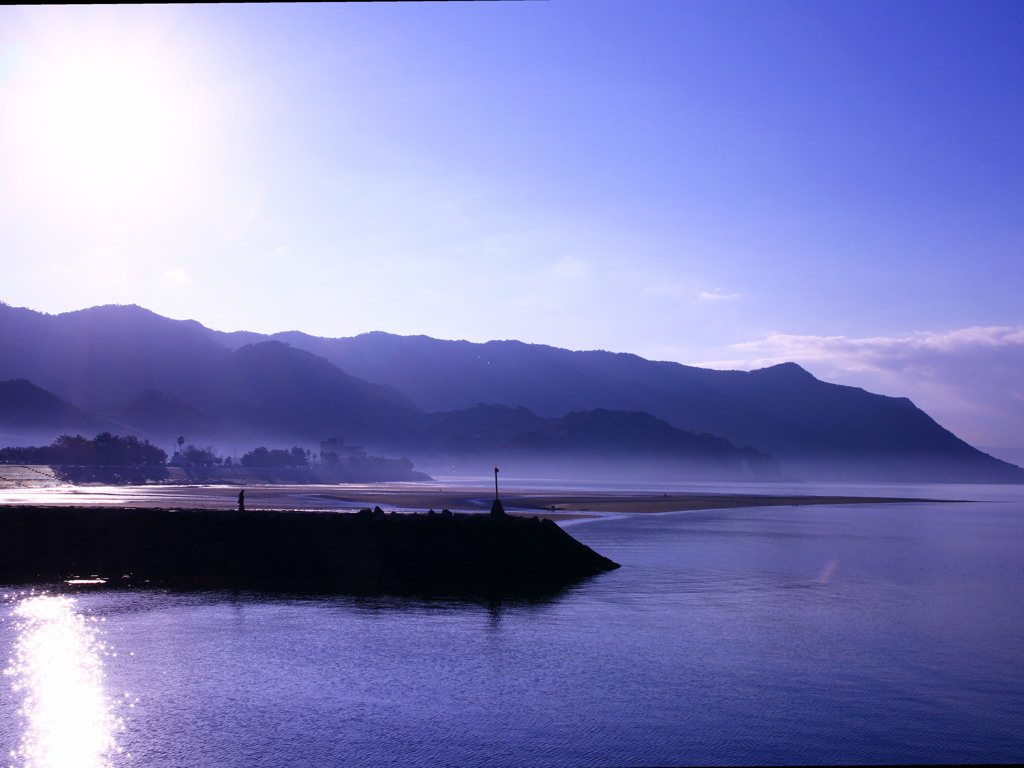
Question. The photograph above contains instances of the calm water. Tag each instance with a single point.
(786, 635)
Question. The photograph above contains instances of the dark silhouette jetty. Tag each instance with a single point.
(366, 552)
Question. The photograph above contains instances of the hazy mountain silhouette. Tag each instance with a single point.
(814, 428)
(621, 443)
(633, 444)
(475, 430)
(106, 355)
(423, 395)
(277, 389)
(165, 377)
(30, 415)
(158, 413)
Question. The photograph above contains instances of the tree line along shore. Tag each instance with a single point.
(115, 460)
(107, 449)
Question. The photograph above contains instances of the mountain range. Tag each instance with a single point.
(457, 405)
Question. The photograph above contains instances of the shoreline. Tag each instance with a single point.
(567, 505)
(556, 505)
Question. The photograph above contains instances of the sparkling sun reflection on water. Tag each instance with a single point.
(57, 668)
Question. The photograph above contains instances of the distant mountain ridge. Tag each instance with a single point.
(814, 428)
(617, 444)
(26, 409)
(425, 397)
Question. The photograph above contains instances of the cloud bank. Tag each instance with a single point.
(970, 380)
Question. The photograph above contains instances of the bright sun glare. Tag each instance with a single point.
(101, 117)
(104, 122)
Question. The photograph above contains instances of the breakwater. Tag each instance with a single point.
(365, 552)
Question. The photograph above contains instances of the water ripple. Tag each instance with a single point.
(57, 669)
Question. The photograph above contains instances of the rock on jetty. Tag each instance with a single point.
(369, 552)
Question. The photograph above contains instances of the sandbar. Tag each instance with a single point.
(576, 504)
(555, 504)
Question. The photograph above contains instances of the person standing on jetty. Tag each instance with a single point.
(241, 500)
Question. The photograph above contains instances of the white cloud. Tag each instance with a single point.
(717, 296)
(970, 380)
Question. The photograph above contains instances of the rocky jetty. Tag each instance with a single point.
(368, 552)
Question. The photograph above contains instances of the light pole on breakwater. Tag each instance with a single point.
(496, 508)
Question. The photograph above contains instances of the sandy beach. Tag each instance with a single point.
(578, 504)
(556, 504)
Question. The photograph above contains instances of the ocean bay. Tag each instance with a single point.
(862, 633)
(728, 297)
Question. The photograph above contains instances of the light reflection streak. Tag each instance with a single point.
(828, 571)
(57, 667)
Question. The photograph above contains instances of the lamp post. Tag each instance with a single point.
(497, 509)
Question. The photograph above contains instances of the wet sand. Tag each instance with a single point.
(556, 504)
(561, 505)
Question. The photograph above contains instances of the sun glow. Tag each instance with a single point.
(102, 119)
(107, 122)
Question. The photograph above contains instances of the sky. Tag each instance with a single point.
(727, 184)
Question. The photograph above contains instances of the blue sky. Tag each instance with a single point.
(721, 183)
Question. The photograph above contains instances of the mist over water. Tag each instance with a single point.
(860, 633)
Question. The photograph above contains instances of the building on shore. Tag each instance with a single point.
(334, 449)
